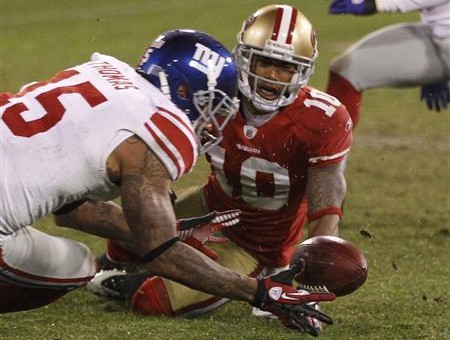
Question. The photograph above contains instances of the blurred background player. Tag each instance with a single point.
(401, 55)
(103, 128)
(280, 162)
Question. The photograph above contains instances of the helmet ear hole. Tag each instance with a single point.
(183, 91)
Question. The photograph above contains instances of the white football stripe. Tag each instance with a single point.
(187, 132)
(285, 24)
(171, 167)
(327, 158)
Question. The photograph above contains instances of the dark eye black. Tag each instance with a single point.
(266, 62)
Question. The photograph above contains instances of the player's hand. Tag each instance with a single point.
(293, 307)
(203, 227)
(436, 95)
(356, 7)
(312, 322)
(197, 231)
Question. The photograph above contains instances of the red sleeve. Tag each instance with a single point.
(335, 140)
(326, 127)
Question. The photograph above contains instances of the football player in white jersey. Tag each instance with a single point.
(280, 162)
(401, 55)
(101, 129)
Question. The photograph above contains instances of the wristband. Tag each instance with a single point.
(260, 294)
(325, 211)
(154, 253)
(67, 208)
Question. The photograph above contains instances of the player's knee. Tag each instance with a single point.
(152, 298)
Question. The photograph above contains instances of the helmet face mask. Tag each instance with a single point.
(284, 35)
(214, 107)
(198, 74)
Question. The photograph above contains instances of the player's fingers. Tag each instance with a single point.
(226, 216)
(226, 219)
(208, 252)
(196, 222)
(447, 96)
(443, 101)
(214, 227)
(429, 102)
(217, 239)
(437, 104)
(321, 316)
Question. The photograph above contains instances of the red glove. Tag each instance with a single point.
(293, 307)
(197, 231)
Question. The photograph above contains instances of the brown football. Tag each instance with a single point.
(332, 262)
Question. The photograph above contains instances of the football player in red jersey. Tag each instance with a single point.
(281, 162)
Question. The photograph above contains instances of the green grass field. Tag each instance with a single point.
(398, 176)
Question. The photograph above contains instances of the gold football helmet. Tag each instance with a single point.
(279, 32)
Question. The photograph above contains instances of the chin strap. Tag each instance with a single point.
(165, 89)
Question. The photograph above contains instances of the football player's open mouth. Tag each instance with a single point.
(268, 92)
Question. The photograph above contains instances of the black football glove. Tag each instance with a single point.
(295, 308)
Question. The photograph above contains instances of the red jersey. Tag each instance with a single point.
(262, 170)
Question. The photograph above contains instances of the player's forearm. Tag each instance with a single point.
(325, 189)
(327, 225)
(104, 219)
(190, 267)
(180, 262)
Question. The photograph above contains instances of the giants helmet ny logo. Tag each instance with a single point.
(204, 57)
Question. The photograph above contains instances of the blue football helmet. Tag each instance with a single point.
(198, 74)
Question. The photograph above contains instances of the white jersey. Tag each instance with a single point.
(435, 13)
(57, 135)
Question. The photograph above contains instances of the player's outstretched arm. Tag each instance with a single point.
(145, 185)
(275, 294)
(103, 219)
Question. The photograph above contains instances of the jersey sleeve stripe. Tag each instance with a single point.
(314, 160)
(186, 125)
(177, 122)
(180, 136)
(161, 148)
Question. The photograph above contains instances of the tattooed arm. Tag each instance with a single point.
(145, 185)
(103, 219)
(326, 189)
